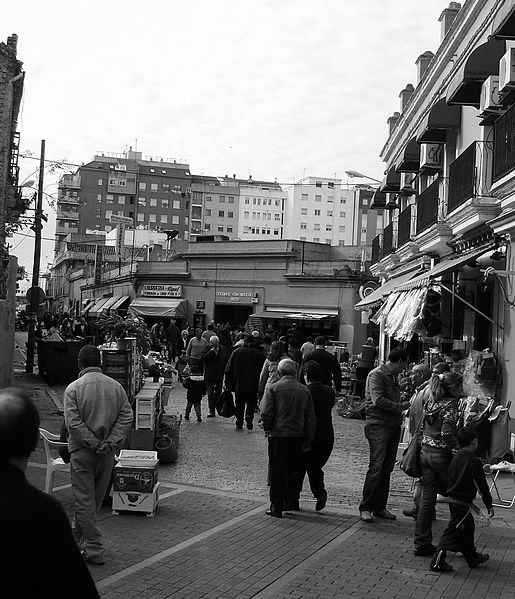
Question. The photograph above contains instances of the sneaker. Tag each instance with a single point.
(412, 513)
(321, 501)
(366, 516)
(97, 561)
(480, 558)
(385, 514)
(199, 418)
(424, 550)
(438, 563)
(186, 416)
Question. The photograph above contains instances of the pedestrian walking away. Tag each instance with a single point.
(466, 475)
(38, 553)
(215, 360)
(172, 340)
(438, 441)
(98, 417)
(313, 461)
(195, 385)
(383, 414)
(242, 376)
(331, 371)
(289, 422)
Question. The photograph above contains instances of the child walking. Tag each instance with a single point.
(196, 389)
(465, 476)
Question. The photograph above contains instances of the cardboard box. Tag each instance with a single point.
(141, 479)
(133, 501)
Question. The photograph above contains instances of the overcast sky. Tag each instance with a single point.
(274, 88)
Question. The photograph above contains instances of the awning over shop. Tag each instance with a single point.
(504, 22)
(87, 305)
(120, 301)
(96, 310)
(378, 200)
(159, 306)
(391, 182)
(377, 296)
(402, 314)
(465, 87)
(443, 268)
(293, 315)
(410, 158)
(439, 119)
(109, 304)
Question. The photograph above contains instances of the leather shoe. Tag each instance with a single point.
(385, 514)
(321, 501)
(97, 561)
(424, 550)
(480, 558)
(366, 516)
(274, 514)
(438, 563)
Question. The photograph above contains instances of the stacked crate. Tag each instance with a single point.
(135, 486)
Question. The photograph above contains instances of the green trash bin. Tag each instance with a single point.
(58, 360)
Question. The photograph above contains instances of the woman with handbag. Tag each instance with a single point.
(438, 441)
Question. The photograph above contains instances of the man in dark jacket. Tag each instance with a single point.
(289, 421)
(242, 376)
(38, 554)
(331, 371)
(383, 414)
(215, 360)
(172, 340)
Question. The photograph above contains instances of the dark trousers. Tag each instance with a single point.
(193, 404)
(383, 442)
(312, 462)
(283, 456)
(172, 350)
(245, 405)
(459, 534)
(214, 389)
(435, 465)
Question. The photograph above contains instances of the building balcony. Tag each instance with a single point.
(67, 199)
(70, 181)
(389, 239)
(470, 199)
(67, 214)
(432, 232)
(376, 249)
(406, 231)
(60, 230)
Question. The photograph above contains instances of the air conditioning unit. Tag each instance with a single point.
(120, 167)
(507, 71)
(489, 101)
(431, 156)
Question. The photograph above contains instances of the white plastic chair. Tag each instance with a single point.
(54, 463)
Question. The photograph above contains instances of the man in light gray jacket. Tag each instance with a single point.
(98, 416)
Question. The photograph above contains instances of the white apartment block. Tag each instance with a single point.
(261, 211)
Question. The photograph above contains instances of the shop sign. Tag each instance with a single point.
(242, 297)
(201, 305)
(98, 264)
(162, 290)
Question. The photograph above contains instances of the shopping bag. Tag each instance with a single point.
(225, 404)
(410, 460)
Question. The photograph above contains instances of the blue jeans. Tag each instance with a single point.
(435, 465)
(383, 442)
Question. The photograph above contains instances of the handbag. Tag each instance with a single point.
(225, 404)
(410, 460)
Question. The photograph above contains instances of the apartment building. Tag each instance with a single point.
(261, 210)
(214, 206)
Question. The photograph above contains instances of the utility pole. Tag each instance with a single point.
(35, 298)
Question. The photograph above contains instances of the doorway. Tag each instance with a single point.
(235, 315)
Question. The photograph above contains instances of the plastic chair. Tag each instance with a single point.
(53, 464)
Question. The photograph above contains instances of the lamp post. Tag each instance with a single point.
(358, 175)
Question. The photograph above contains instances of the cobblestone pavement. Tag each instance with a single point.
(210, 537)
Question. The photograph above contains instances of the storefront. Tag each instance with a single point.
(160, 301)
(234, 306)
(311, 322)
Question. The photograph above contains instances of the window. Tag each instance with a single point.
(108, 214)
(259, 201)
(343, 201)
(343, 214)
(269, 216)
(153, 202)
(154, 187)
(341, 229)
(142, 201)
(121, 199)
(230, 215)
(330, 213)
(207, 226)
(166, 187)
(317, 212)
(175, 220)
(341, 242)
(229, 229)
(277, 202)
(364, 201)
(316, 240)
(304, 211)
(318, 183)
(152, 170)
(107, 228)
(221, 214)
(316, 226)
(164, 218)
(247, 200)
(163, 171)
(330, 184)
(303, 239)
(328, 241)
(303, 226)
(304, 197)
(277, 217)
(220, 229)
(258, 215)
(263, 231)
(99, 197)
(222, 199)
(330, 199)
(142, 186)
(253, 216)
(246, 214)
(152, 218)
(100, 182)
(164, 203)
(208, 198)
(141, 216)
(276, 231)
(231, 201)
(109, 198)
(197, 195)
(176, 205)
(318, 198)
(208, 211)
(329, 228)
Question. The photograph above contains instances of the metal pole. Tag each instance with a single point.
(34, 298)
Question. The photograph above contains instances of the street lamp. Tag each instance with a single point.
(358, 175)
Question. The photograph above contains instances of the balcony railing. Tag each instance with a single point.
(470, 175)
(504, 144)
(388, 239)
(427, 207)
(404, 230)
(376, 249)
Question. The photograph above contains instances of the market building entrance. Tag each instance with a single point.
(235, 315)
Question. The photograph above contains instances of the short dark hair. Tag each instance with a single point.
(313, 371)
(465, 436)
(399, 354)
(441, 367)
(320, 340)
(19, 424)
(89, 355)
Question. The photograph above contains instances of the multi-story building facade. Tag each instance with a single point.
(261, 210)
